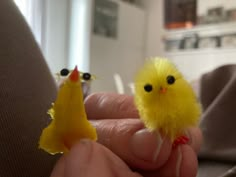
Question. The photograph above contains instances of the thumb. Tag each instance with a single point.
(88, 159)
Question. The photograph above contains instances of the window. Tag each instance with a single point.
(79, 40)
(33, 11)
(62, 30)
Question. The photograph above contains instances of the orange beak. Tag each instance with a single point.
(74, 76)
(163, 90)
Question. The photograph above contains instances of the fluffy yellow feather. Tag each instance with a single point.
(69, 122)
(165, 100)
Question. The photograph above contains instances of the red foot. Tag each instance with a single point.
(180, 140)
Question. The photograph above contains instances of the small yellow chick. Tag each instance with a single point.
(165, 100)
(69, 122)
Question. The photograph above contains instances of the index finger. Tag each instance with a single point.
(110, 106)
(115, 106)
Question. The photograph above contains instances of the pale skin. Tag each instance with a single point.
(124, 147)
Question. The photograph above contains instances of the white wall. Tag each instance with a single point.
(122, 55)
(154, 28)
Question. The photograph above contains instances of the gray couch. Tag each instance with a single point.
(217, 93)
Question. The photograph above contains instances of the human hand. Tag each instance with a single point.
(115, 118)
(89, 159)
(120, 130)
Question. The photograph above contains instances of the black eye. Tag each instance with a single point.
(86, 76)
(148, 87)
(170, 79)
(64, 72)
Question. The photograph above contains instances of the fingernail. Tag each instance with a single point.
(84, 148)
(79, 158)
(146, 145)
(179, 161)
(85, 144)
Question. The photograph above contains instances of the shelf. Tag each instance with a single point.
(203, 30)
(210, 51)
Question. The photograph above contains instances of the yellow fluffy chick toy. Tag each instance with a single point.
(69, 121)
(165, 100)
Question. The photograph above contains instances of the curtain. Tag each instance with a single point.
(62, 30)
(34, 13)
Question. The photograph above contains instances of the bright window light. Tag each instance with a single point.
(79, 41)
(24, 6)
(32, 10)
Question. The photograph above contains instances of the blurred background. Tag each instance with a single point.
(112, 38)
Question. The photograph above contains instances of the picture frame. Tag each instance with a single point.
(228, 41)
(209, 42)
(189, 41)
(172, 45)
(105, 21)
(231, 15)
(215, 15)
(180, 14)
